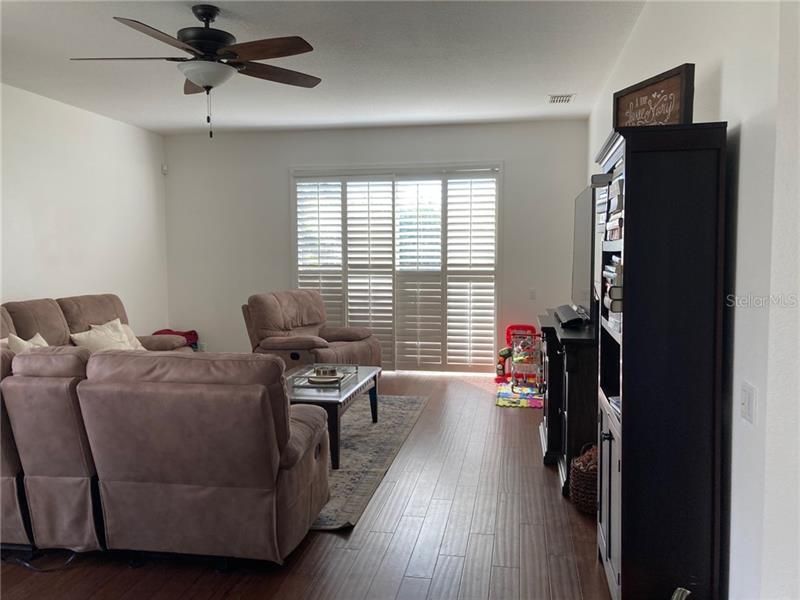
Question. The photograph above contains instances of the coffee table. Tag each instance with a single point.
(336, 401)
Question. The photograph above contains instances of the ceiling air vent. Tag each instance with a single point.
(560, 98)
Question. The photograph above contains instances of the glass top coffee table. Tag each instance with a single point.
(334, 398)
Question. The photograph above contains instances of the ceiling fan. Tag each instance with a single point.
(216, 57)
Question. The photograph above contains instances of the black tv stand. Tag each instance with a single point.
(570, 397)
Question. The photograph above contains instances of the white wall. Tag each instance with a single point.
(735, 47)
(780, 565)
(229, 209)
(83, 207)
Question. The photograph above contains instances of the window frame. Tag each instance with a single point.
(343, 174)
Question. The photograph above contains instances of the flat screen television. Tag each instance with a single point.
(583, 252)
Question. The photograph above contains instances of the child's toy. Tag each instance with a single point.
(523, 351)
(523, 398)
(525, 345)
(502, 357)
(519, 368)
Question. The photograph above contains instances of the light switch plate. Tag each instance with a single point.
(531, 294)
(749, 396)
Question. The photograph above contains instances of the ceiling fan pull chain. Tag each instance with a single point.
(208, 113)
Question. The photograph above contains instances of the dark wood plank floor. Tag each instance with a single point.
(467, 511)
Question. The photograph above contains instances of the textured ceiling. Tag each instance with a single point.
(382, 63)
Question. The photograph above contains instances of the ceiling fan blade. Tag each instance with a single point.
(277, 74)
(268, 48)
(159, 35)
(192, 88)
(169, 58)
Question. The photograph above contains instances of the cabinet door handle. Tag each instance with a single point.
(606, 436)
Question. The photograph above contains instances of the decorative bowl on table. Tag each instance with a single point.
(322, 376)
(326, 371)
(325, 376)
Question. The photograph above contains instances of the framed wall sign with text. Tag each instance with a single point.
(665, 99)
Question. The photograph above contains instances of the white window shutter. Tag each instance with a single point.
(470, 320)
(319, 243)
(370, 261)
(471, 265)
(413, 258)
(418, 277)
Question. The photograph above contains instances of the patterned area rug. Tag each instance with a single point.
(524, 397)
(366, 451)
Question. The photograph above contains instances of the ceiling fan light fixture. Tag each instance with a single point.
(206, 73)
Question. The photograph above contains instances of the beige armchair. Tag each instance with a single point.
(292, 325)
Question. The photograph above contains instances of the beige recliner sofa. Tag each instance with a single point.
(186, 453)
(202, 454)
(55, 320)
(292, 324)
(59, 474)
(13, 520)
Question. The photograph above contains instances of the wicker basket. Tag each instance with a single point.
(583, 479)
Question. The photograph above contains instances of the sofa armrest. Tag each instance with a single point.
(307, 425)
(297, 342)
(162, 342)
(344, 334)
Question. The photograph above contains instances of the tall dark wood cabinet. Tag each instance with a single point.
(660, 402)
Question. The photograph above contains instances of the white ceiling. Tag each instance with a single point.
(381, 63)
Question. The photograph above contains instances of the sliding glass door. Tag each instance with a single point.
(410, 255)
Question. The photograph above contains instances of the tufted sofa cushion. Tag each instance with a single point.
(6, 324)
(42, 316)
(93, 309)
(299, 312)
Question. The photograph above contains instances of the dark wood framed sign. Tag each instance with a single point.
(665, 99)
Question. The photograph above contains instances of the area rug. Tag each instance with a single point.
(366, 451)
(523, 397)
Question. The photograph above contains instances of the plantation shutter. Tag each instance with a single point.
(418, 296)
(412, 257)
(319, 243)
(471, 266)
(370, 261)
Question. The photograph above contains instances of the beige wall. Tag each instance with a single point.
(83, 203)
(736, 48)
(230, 225)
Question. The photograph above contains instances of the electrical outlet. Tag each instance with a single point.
(531, 294)
(748, 402)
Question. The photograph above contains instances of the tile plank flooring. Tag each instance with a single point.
(467, 511)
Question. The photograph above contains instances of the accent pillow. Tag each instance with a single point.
(101, 338)
(17, 345)
(137, 345)
(115, 326)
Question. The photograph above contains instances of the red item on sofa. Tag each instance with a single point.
(191, 335)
